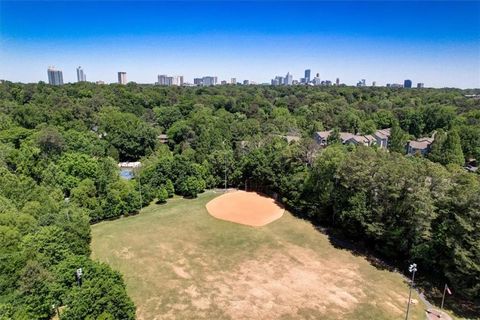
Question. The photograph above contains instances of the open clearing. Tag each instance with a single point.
(181, 263)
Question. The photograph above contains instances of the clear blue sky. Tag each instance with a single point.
(437, 43)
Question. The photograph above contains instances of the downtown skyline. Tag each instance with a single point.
(437, 43)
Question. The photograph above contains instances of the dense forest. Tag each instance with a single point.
(60, 145)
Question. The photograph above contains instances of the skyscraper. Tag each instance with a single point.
(420, 85)
(307, 76)
(337, 82)
(209, 81)
(288, 79)
(81, 76)
(233, 81)
(407, 83)
(55, 77)
(122, 77)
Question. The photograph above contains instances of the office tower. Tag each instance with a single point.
(246, 82)
(337, 81)
(162, 79)
(179, 80)
(288, 79)
(223, 82)
(420, 85)
(307, 76)
(233, 81)
(81, 76)
(122, 77)
(198, 81)
(55, 77)
(407, 83)
(374, 83)
(316, 80)
(209, 81)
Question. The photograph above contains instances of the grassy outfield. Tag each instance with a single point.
(181, 263)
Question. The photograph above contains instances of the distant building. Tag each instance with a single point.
(246, 82)
(122, 77)
(55, 77)
(419, 146)
(362, 83)
(307, 76)
(198, 81)
(374, 83)
(209, 81)
(337, 81)
(162, 138)
(81, 76)
(316, 80)
(288, 79)
(100, 82)
(407, 83)
(223, 82)
(420, 85)
(233, 81)
(396, 85)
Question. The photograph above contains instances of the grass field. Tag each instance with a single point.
(181, 263)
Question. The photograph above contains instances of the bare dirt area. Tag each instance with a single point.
(248, 208)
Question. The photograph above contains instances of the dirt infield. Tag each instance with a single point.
(248, 208)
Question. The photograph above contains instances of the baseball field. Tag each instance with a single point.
(182, 261)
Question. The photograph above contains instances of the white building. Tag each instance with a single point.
(288, 79)
(55, 77)
(122, 77)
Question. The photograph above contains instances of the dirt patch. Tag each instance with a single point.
(278, 285)
(249, 208)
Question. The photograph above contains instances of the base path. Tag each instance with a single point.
(249, 208)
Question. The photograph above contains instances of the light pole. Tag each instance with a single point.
(412, 269)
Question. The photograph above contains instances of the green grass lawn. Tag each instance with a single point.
(181, 263)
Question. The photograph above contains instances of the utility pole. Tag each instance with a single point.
(412, 269)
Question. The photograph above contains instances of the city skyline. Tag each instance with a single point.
(437, 43)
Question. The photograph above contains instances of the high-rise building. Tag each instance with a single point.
(198, 81)
(122, 77)
(209, 81)
(288, 79)
(407, 83)
(307, 76)
(233, 81)
(337, 81)
(374, 83)
(223, 82)
(55, 77)
(246, 82)
(81, 76)
(420, 85)
(162, 80)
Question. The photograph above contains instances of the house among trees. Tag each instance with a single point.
(419, 146)
(379, 138)
(162, 138)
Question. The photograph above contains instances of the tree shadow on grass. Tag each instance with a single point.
(429, 285)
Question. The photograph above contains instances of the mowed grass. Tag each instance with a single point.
(180, 263)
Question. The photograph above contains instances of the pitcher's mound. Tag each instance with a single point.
(249, 208)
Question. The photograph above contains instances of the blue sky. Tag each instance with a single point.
(437, 43)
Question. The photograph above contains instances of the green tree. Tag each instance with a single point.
(398, 139)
